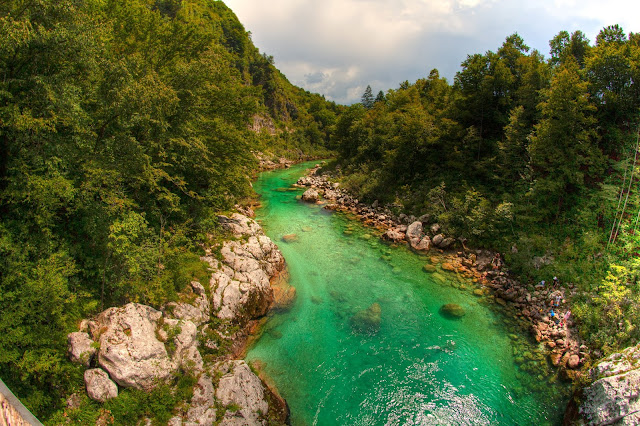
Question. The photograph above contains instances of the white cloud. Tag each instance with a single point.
(337, 47)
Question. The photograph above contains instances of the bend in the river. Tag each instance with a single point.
(367, 343)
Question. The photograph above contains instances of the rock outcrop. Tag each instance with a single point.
(140, 347)
(202, 408)
(614, 397)
(243, 394)
(240, 284)
(197, 310)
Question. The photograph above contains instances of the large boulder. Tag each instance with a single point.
(129, 349)
(81, 347)
(423, 245)
(416, 238)
(614, 396)
(613, 400)
(310, 195)
(99, 386)
(243, 393)
(437, 240)
(414, 231)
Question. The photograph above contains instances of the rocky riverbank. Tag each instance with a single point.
(527, 305)
(137, 346)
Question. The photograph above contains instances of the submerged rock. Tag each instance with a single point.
(290, 238)
(452, 311)
(367, 320)
(284, 294)
(429, 268)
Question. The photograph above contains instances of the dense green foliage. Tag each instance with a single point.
(524, 155)
(124, 125)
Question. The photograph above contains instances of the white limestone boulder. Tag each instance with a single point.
(99, 386)
(240, 388)
(129, 349)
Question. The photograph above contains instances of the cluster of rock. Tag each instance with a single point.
(614, 396)
(137, 346)
(482, 266)
(417, 238)
(531, 307)
(420, 235)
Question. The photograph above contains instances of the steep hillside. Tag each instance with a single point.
(124, 126)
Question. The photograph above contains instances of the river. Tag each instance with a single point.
(365, 342)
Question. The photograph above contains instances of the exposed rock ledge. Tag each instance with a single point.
(138, 346)
(613, 397)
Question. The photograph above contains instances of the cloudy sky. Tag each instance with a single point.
(338, 47)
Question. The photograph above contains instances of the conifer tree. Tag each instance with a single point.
(564, 150)
(367, 98)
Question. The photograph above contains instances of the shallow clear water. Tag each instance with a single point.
(418, 367)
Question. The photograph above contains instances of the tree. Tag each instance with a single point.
(563, 150)
(367, 98)
(513, 148)
(612, 71)
(564, 46)
(380, 97)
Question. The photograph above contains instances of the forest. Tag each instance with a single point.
(534, 157)
(126, 126)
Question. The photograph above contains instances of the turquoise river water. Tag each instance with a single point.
(414, 367)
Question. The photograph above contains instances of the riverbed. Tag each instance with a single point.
(367, 342)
